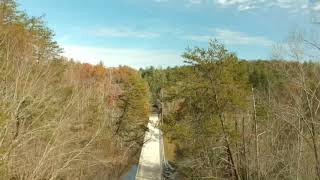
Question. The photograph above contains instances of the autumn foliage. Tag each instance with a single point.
(62, 119)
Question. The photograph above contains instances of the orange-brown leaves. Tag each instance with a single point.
(99, 73)
(86, 71)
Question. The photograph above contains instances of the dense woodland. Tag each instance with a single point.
(61, 119)
(226, 118)
(235, 119)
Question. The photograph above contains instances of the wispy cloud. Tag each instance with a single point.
(315, 5)
(231, 37)
(123, 33)
(112, 57)
(240, 4)
(245, 5)
(160, 1)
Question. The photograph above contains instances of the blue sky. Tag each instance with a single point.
(141, 33)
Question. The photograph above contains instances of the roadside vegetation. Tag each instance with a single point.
(61, 119)
(235, 119)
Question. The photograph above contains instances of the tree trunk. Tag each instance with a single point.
(229, 151)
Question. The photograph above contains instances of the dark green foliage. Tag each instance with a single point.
(209, 111)
(134, 105)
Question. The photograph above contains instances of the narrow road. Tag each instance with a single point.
(149, 167)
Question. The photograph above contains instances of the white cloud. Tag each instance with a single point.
(112, 57)
(233, 2)
(305, 6)
(252, 4)
(123, 32)
(244, 5)
(232, 38)
(160, 1)
(316, 6)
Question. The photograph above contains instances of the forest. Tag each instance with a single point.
(61, 119)
(227, 118)
(223, 117)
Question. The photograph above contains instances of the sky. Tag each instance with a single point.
(142, 33)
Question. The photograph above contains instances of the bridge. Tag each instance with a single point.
(152, 153)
